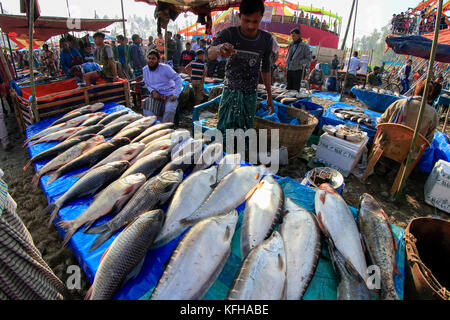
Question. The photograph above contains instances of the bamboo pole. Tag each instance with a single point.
(446, 120)
(351, 51)
(10, 49)
(31, 63)
(126, 41)
(166, 42)
(409, 159)
(348, 25)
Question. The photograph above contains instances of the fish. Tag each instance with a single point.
(188, 197)
(127, 152)
(112, 129)
(65, 125)
(154, 136)
(379, 241)
(184, 163)
(91, 129)
(83, 117)
(153, 129)
(70, 116)
(149, 164)
(228, 164)
(302, 243)
(262, 275)
(67, 156)
(154, 193)
(212, 154)
(233, 190)
(130, 117)
(61, 147)
(57, 136)
(112, 116)
(179, 136)
(130, 133)
(167, 144)
(94, 120)
(351, 285)
(91, 157)
(262, 212)
(146, 122)
(195, 146)
(112, 198)
(90, 107)
(198, 259)
(124, 254)
(337, 222)
(89, 184)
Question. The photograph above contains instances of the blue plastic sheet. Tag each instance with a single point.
(327, 95)
(376, 101)
(329, 118)
(438, 150)
(280, 115)
(323, 284)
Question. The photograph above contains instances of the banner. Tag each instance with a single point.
(267, 18)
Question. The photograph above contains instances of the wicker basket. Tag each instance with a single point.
(293, 137)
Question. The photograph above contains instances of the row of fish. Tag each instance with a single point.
(377, 90)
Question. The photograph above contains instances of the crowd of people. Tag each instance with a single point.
(418, 22)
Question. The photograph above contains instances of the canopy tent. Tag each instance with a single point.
(197, 6)
(419, 47)
(16, 27)
(444, 36)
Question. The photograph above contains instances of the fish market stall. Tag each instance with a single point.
(331, 117)
(378, 101)
(332, 96)
(324, 280)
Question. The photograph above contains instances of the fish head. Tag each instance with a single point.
(149, 217)
(172, 176)
(135, 181)
(120, 165)
(262, 171)
(275, 246)
(147, 121)
(120, 142)
(229, 222)
(327, 187)
(134, 149)
(96, 139)
(85, 137)
(231, 159)
(96, 106)
(180, 136)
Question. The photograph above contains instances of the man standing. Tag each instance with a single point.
(137, 59)
(104, 54)
(159, 42)
(163, 84)
(334, 66)
(177, 55)
(248, 50)
(171, 48)
(197, 69)
(196, 45)
(405, 74)
(122, 49)
(186, 57)
(353, 66)
(69, 56)
(298, 56)
(151, 45)
(374, 79)
(48, 62)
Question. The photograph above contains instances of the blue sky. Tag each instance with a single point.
(371, 13)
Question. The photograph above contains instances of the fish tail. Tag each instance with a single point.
(27, 165)
(96, 230)
(89, 293)
(102, 238)
(71, 228)
(54, 211)
(36, 178)
(52, 178)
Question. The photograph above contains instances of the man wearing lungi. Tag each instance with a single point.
(164, 86)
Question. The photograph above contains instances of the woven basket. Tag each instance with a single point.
(293, 137)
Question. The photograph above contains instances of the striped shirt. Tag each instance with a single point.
(198, 69)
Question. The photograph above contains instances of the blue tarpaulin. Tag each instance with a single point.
(438, 150)
(418, 46)
(323, 285)
(327, 95)
(376, 101)
(329, 118)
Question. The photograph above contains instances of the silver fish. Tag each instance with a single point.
(153, 129)
(154, 146)
(112, 129)
(149, 164)
(143, 122)
(58, 135)
(111, 117)
(154, 136)
(228, 164)
(212, 154)
(262, 212)
(301, 237)
(130, 117)
(262, 275)
(87, 130)
(127, 152)
(201, 254)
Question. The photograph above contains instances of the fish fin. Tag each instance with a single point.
(322, 226)
(104, 254)
(27, 165)
(251, 192)
(363, 243)
(96, 230)
(214, 185)
(54, 211)
(89, 293)
(227, 234)
(52, 178)
(88, 225)
(280, 262)
(36, 179)
(102, 238)
(71, 229)
(135, 272)
(322, 197)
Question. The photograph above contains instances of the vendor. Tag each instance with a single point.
(164, 86)
(246, 46)
(374, 78)
(104, 54)
(315, 78)
(87, 73)
(299, 55)
(69, 56)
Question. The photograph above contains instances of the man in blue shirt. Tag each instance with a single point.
(137, 59)
(86, 73)
(69, 56)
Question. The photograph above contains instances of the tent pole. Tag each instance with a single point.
(348, 25)
(126, 40)
(351, 51)
(446, 121)
(31, 63)
(10, 49)
(166, 42)
(423, 104)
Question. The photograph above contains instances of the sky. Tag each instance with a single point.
(372, 14)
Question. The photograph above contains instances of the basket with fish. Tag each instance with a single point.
(292, 136)
(344, 132)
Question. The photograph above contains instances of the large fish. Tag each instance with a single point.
(69, 124)
(351, 285)
(111, 198)
(94, 120)
(67, 156)
(146, 122)
(233, 190)
(228, 164)
(83, 116)
(61, 147)
(155, 136)
(130, 117)
(195, 146)
(198, 259)
(262, 275)
(131, 133)
(154, 146)
(70, 116)
(153, 194)
(90, 107)
(184, 163)
(58, 135)
(89, 184)
(337, 222)
(91, 129)
(301, 237)
(113, 116)
(90, 157)
(127, 152)
(191, 193)
(380, 243)
(212, 154)
(149, 164)
(112, 129)
(153, 129)
(124, 254)
(262, 212)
